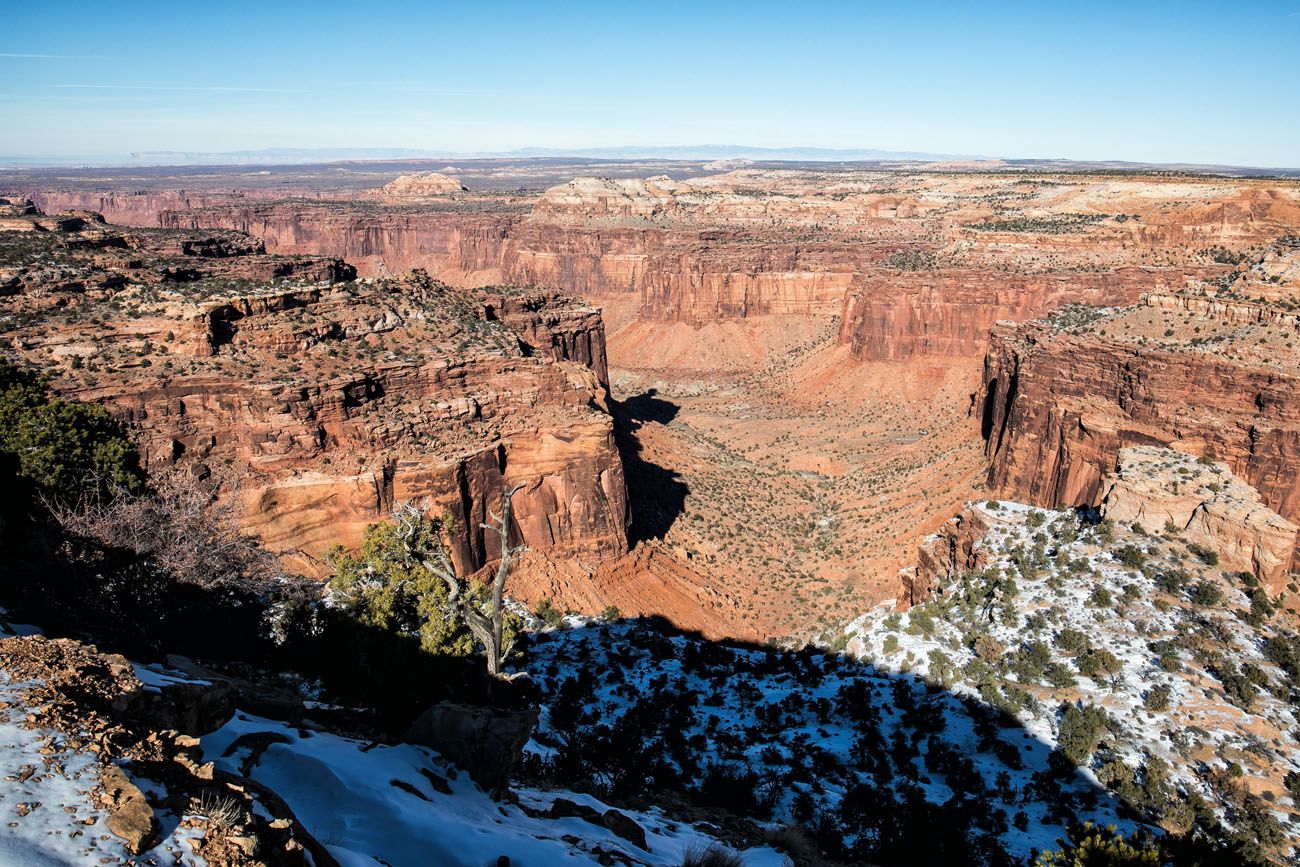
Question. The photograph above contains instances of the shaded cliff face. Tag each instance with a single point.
(1213, 371)
(324, 403)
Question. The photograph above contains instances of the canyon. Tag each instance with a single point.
(800, 372)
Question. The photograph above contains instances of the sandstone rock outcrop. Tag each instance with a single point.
(1210, 372)
(422, 185)
(955, 548)
(1162, 489)
(325, 402)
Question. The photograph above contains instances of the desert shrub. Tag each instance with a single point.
(179, 527)
(1240, 688)
(1059, 676)
(1131, 556)
(1261, 607)
(1206, 593)
(1283, 650)
(1030, 660)
(1092, 846)
(1098, 663)
(713, 855)
(384, 585)
(1100, 597)
(988, 648)
(63, 449)
(920, 622)
(1173, 581)
(1072, 641)
(1208, 556)
(549, 614)
(912, 260)
(1080, 731)
(1157, 698)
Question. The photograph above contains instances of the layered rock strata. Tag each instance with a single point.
(1204, 504)
(324, 403)
(1212, 371)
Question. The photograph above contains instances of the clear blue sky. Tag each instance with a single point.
(1160, 81)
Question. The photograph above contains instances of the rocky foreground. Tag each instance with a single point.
(110, 762)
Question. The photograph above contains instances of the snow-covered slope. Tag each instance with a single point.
(1178, 654)
(844, 748)
(404, 805)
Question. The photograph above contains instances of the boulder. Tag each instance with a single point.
(129, 814)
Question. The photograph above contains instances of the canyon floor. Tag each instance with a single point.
(786, 484)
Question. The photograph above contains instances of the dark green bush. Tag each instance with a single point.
(64, 450)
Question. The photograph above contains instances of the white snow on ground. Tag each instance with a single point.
(1199, 714)
(342, 792)
(786, 717)
(58, 783)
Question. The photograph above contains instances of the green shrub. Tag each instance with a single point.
(1059, 675)
(385, 586)
(1208, 556)
(1157, 698)
(1100, 598)
(549, 614)
(1131, 556)
(1206, 593)
(1072, 641)
(1098, 664)
(1173, 581)
(1080, 731)
(66, 450)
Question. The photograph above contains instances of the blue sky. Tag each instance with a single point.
(1157, 81)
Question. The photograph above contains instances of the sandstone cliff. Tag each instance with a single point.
(1167, 491)
(325, 401)
(917, 265)
(1211, 371)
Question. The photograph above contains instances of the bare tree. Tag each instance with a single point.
(181, 526)
(487, 628)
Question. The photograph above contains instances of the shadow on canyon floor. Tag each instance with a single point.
(657, 495)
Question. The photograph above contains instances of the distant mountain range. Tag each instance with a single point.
(693, 153)
(265, 156)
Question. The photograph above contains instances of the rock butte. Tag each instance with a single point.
(425, 185)
(327, 402)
